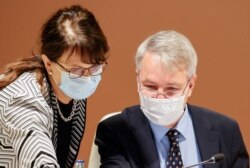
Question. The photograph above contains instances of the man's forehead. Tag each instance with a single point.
(173, 78)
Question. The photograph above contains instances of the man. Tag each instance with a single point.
(165, 131)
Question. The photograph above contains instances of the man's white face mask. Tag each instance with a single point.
(164, 112)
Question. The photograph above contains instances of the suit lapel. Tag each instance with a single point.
(144, 139)
(207, 139)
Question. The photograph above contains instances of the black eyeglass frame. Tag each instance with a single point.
(83, 70)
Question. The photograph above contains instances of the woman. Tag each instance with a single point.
(43, 98)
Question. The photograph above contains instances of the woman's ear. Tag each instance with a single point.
(47, 63)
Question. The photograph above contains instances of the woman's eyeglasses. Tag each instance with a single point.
(79, 72)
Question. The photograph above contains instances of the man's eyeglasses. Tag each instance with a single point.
(171, 93)
(79, 72)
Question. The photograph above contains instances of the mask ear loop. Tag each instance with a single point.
(186, 90)
(51, 74)
(187, 87)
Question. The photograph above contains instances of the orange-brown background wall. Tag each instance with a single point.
(219, 30)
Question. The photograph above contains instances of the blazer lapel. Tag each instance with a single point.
(78, 127)
(144, 139)
(207, 139)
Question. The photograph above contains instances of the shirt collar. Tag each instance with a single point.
(160, 131)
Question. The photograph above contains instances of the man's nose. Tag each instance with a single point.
(160, 94)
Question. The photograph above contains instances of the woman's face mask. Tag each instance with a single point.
(80, 87)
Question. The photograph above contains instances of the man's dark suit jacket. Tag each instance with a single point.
(126, 140)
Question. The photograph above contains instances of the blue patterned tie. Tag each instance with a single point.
(174, 154)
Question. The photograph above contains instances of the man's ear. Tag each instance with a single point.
(192, 84)
(137, 78)
(47, 63)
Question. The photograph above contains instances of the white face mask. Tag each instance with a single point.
(79, 88)
(162, 112)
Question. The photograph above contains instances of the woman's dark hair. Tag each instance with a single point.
(73, 29)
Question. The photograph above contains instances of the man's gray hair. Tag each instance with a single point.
(172, 48)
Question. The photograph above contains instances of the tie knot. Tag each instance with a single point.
(173, 136)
